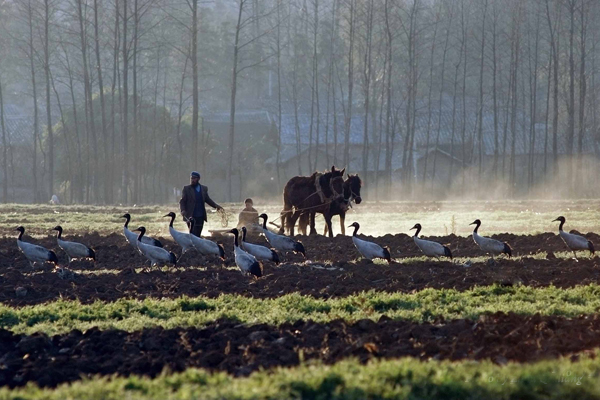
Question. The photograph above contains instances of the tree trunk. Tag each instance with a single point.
(125, 123)
(89, 107)
(348, 116)
(31, 55)
(195, 89)
(429, 94)
(232, 103)
(480, 111)
(441, 105)
(113, 160)
(106, 174)
(48, 110)
(388, 111)
(137, 143)
(4, 150)
(367, 88)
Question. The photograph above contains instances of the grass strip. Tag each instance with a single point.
(393, 379)
(426, 305)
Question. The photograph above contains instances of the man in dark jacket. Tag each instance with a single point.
(192, 202)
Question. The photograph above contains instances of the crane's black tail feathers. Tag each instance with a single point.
(447, 252)
(52, 257)
(275, 256)
(256, 269)
(387, 255)
(591, 247)
(299, 248)
(507, 249)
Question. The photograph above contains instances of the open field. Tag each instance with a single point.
(438, 218)
(332, 326)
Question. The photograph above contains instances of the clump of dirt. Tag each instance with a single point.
(239, 349)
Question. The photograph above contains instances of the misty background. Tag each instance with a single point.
(116, 101)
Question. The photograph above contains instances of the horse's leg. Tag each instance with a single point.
(342, 222)
(313, 231)
(292, 221)
(327, 216)
(283, 215)
(303, 223)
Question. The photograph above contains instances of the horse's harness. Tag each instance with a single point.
(319, 191)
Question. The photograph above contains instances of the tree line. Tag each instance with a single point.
(118, 90)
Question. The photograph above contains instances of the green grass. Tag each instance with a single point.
(394, 379)
(437, 218)
(131, 315)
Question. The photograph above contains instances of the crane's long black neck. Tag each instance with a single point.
(355, 230)
(127, 218)
(476, 227)
(264, 222)
(243, 235)
(235, 240)
(59, 233)
(172, 219)
(417, 232)
(20, 235)
(560, 227)
(141, 235)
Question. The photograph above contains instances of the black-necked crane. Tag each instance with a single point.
(262, 253)
(74, 250)
(430, 248)
(245, 261)
(181, 238)
(280, 242)
(492, 246)
(573, 241)
(205, 246)
(156, 255)
(132, 238)
(368, 249)
(33, 252)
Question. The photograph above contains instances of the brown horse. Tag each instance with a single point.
(352, 186)
(314, 192)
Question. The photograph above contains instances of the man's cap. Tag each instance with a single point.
(195, 174)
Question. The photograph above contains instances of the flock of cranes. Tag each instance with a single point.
(249, 256)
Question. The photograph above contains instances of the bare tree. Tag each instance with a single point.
(4, 149)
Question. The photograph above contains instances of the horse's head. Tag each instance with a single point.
(352, 187)
(336, 182)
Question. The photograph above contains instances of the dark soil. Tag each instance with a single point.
(340, 279)
(240, 350)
